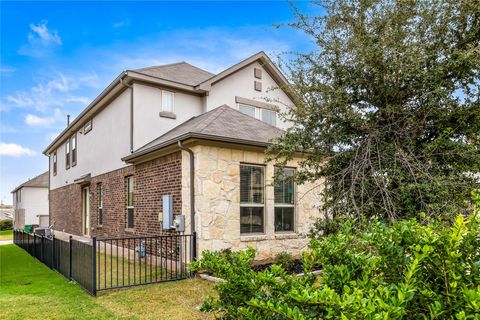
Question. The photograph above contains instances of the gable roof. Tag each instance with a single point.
(180, 72)
(220, 124)
(40, 181)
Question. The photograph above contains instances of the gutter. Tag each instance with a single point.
(131, 112)
(192, 196)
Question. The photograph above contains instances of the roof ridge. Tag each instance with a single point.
(162, 65)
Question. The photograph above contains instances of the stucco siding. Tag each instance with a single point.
(34, 202)
(101, 149)
(147, 106)
(241, 83)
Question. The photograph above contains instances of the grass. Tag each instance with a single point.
(6, 235)
(33, 291)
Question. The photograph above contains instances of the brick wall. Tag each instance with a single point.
(152, 179)
(66, 209)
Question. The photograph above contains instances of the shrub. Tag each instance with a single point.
(6, 224)
(284, 260)
(408, 270)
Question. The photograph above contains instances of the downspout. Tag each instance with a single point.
(192, 197)
(131, 112)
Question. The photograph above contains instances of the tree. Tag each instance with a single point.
(388, 110)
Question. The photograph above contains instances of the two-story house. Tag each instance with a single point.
(199, 137)
(30, 202)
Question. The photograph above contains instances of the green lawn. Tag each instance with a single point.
(30, 290)
(6, 235)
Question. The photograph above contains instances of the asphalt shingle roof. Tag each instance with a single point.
(180, 72)
(222, 124)
(39, 181)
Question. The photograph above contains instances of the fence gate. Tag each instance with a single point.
(114, 262)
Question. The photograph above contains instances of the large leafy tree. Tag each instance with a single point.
(388, 111)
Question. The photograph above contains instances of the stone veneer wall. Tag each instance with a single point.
(152, 179)
(217, 201)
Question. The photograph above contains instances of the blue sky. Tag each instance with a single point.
(56, 57)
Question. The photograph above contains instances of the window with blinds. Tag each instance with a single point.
(284, 194)
(130, 203)
(252, 198)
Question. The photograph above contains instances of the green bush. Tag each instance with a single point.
(284, 260)
(408, 270)
(6, 224)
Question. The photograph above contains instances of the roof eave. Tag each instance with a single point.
(131, 158)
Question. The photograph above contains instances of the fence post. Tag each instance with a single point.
(94, 266)
(70, 257)
(53, 252)
(34, 245)
(42, 244)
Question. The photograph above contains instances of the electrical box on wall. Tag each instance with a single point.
(167, 218)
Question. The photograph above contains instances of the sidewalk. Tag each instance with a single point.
(6, 242)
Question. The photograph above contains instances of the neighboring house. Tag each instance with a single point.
(6, 211)
(30, 202)
(111, 167)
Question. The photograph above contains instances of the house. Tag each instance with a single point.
(30, 202)
(179, 136)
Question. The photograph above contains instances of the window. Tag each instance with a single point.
(73, 142)
(252, 198)
(100, 203)
(67, 154)
(130, 216)
(284, 194)
(87, 127)
(269, 116)
(167, 101)
(248, 110)
(54, 160)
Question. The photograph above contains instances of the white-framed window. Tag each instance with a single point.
(252, 198)
(248, 110)
(67, 154)
(130, 204)
(54, 163)
(73, 142)
(284, 195)
(100, 203)
(167, 101)
(269, 117)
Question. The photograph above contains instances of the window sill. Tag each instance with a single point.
(166, 114)
(130, 230)
(99, 226)
(286, 235)
(253, 237)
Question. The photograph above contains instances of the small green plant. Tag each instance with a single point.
(285, 260)
(6, 224)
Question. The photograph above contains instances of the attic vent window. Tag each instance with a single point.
(258, 86)
(258, 73)
(88, 127)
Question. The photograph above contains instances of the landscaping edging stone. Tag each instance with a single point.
(208, 277)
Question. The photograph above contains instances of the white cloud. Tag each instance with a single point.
(41, 40)
(15, 150)
(6, 70)
(57, 92)
(41, 34)
(122, 23)
(33, 120)
(55, 117)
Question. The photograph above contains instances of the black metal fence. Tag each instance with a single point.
(115, 262)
